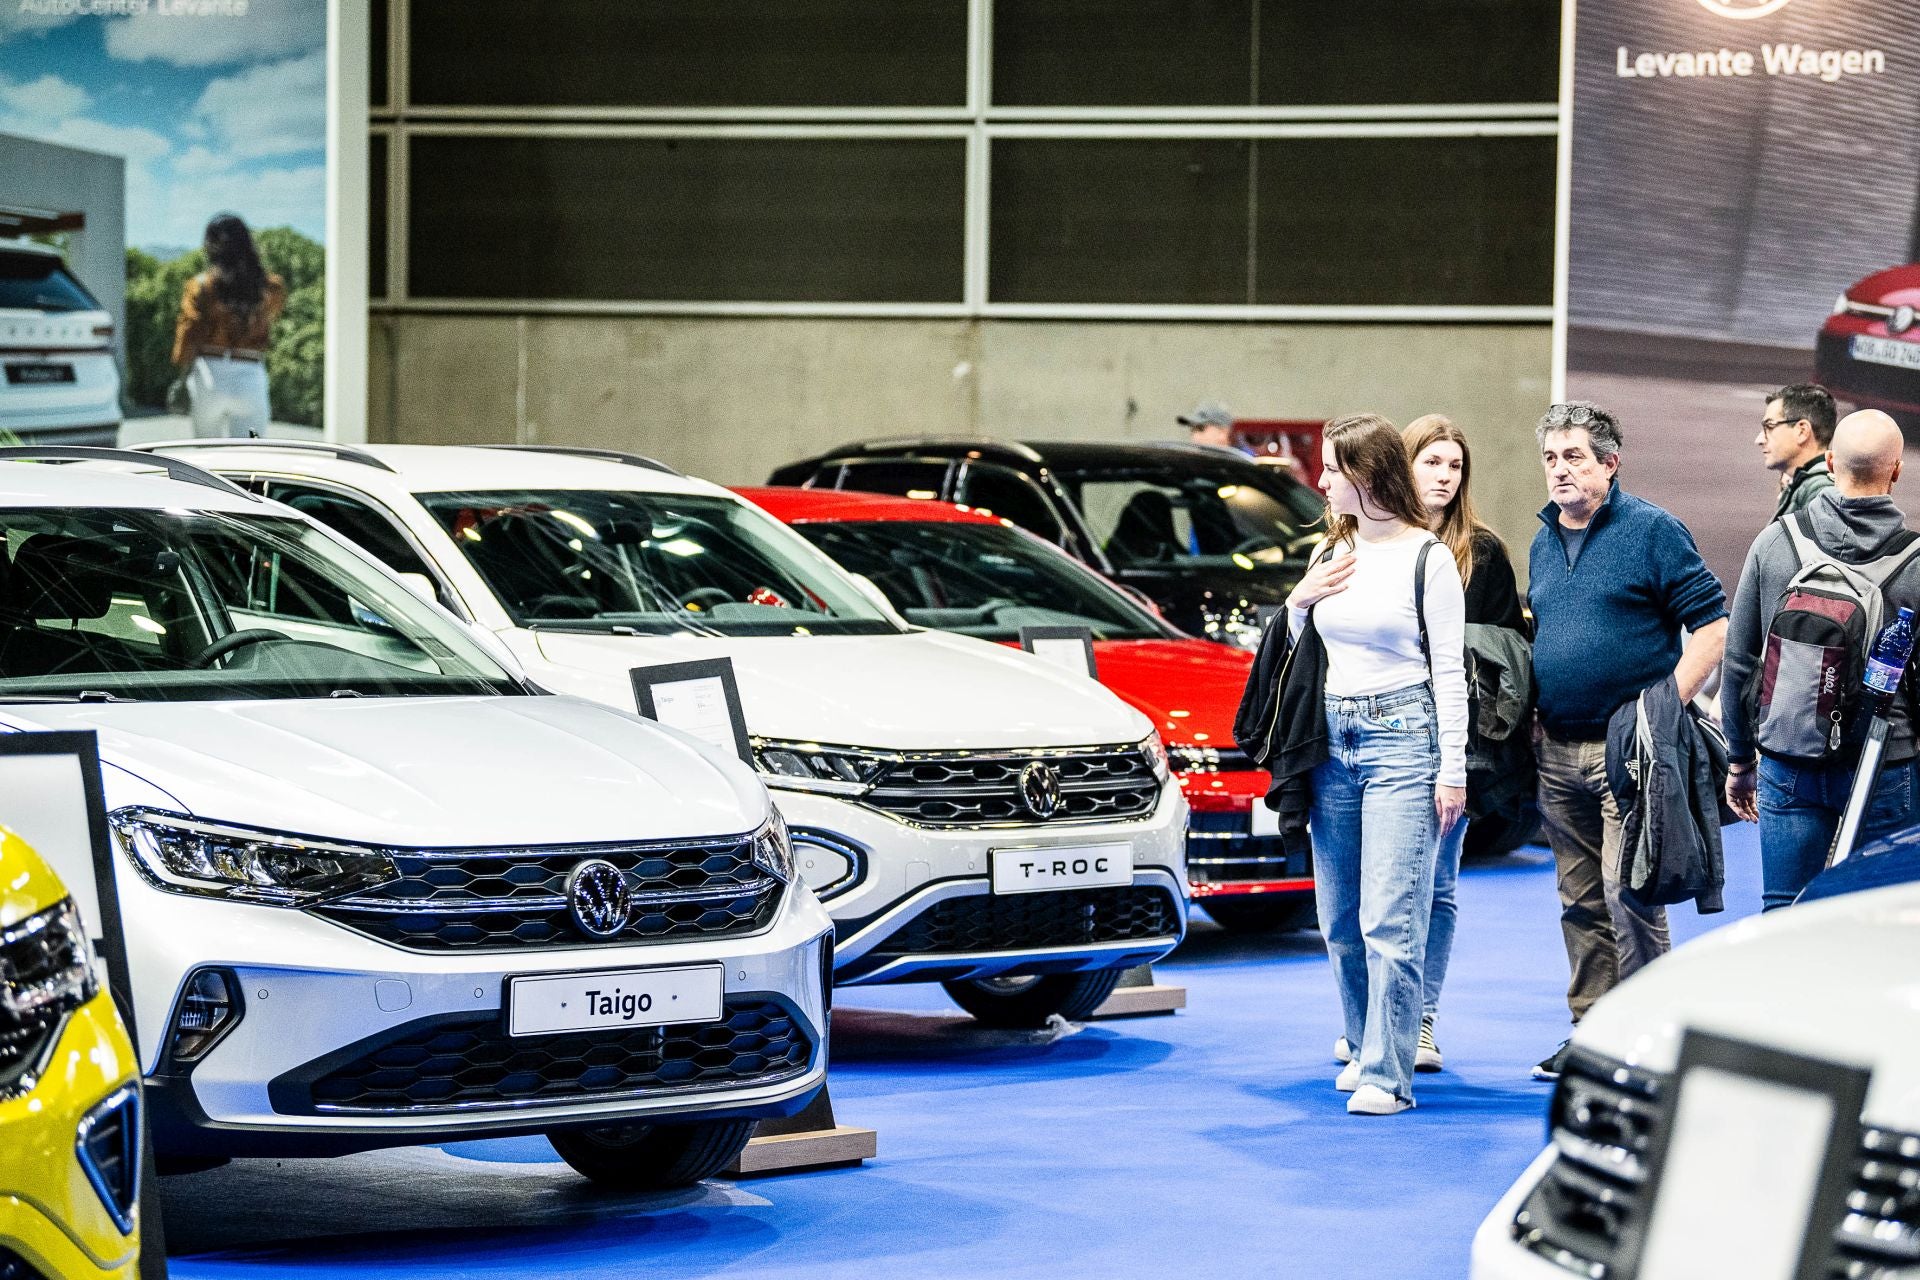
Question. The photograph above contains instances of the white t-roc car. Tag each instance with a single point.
(968, 813)
(1833, 980)
(377, 888)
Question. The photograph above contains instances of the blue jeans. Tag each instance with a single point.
(1440, 925)
(1800, 810)
(1375, 839)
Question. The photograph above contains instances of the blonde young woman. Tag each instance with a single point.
(1393, 782)
(1442, 470)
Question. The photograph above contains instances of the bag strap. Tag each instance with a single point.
(1420, 598)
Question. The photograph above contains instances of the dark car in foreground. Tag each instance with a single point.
(1215, 540)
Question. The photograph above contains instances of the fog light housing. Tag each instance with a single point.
(210, 1006)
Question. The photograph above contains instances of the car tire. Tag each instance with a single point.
(1261, 913)
(1027, 1001)
(1497, 834)
(652, 1157)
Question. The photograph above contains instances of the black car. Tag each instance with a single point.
(1213, 538)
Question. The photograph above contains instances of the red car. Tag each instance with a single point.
(959, 569)
(1869, 348)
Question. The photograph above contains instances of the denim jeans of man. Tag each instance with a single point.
(1610, 934)
(1800, 810)
(1445, 915)
(1375, 838)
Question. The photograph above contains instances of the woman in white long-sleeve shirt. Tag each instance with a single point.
(1396, 771)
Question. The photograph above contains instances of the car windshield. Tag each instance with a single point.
(1228, 516)
(985, 580)
(651, 563)
(180, 606)
(40, 282)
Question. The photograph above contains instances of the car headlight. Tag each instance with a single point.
(773, 849)
(182, 855)
(808, 766)
(1157, 752)
(46, 966)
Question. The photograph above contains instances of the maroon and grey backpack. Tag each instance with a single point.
(1802, 698)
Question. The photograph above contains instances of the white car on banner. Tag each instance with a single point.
(376, 888)
(969, 814)
(58, 379)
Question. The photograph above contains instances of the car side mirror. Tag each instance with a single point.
(421, 585)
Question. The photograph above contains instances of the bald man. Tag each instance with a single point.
(1797, 803)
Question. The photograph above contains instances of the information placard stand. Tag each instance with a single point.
(1139, 994)
(51, 797)
(702, 698)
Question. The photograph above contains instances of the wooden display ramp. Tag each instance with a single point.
(799, 1143)
(1139, 996)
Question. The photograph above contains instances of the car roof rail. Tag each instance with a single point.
(620, 456)
(176, 468)
(344, 452)
(1004, 448)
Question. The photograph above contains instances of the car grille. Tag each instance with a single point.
(1603, 1120)
(1219, 851)
(15, 1267)
(1028, 921)
(471, 1062)
(501, 900)
(34, 958)
(982, 788)
(108, 1149)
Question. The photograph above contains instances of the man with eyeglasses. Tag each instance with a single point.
(1615, 581)
(1795, 433)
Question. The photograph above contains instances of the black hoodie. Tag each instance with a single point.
(1282, 721)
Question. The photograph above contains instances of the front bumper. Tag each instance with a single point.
(915, 882)
(346, 1043)
(1224, 857)
(1864, 382)
(50, 1214)
(1496, 1254)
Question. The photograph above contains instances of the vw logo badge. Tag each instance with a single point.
(1040, 789)
(598, 898)
(1744, 8)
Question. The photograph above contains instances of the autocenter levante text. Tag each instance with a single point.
(1773, 60)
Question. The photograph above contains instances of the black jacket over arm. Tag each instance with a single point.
(1282, 721)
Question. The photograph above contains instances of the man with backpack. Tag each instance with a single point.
(1818, 585)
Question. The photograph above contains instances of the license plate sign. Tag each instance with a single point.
(1901, 355)
(613, 999)
(1090, 866)
(38, 375)
(1264, 821)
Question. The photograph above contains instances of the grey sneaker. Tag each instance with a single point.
(1427, 1057)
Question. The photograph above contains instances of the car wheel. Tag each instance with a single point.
(652, 1157)
(1498, 834)
(1261, 912)
(1029, 1000)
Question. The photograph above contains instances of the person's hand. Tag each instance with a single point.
(1326, 578)
(1743, 787)
(1450, 803)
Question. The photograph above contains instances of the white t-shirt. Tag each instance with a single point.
(1372, 635)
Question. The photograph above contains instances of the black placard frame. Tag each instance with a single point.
(647, 679)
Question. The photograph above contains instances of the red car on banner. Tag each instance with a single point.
(1868, 351)
(954, 568)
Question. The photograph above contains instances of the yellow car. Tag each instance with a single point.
(69, 1091)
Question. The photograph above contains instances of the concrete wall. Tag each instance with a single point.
(731, 398)
(41, 175)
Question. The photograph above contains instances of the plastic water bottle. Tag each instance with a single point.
(1888, 658)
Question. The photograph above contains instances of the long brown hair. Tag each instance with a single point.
(1370, 454)
(1459, 523)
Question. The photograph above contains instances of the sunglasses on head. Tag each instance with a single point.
(1571, 415)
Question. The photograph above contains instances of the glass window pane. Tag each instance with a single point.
(698, 219)
(380, 92)
(1100, 220)
(1122, 52)
(688, 53)
(1399, 51)
(902, 478)
(377, 216)
(1440, 221)
(1012, 496)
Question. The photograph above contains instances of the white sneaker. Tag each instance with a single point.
(1342, 1051)
(1372, 1100)
(1427, 1056)
(1349, 1078)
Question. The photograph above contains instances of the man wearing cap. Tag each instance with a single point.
(1210, 423)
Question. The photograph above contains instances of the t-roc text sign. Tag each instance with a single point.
(1074, 867)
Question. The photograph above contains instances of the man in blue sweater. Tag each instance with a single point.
(1614, 581)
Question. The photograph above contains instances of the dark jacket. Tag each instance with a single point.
(1667, 769)
(1809, 481)
(1282, 721)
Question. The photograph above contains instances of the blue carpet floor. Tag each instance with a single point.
(1210, 1143)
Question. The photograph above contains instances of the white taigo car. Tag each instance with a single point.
(377, 888)
(968, 813)
(58, 378)
(1834, 980)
